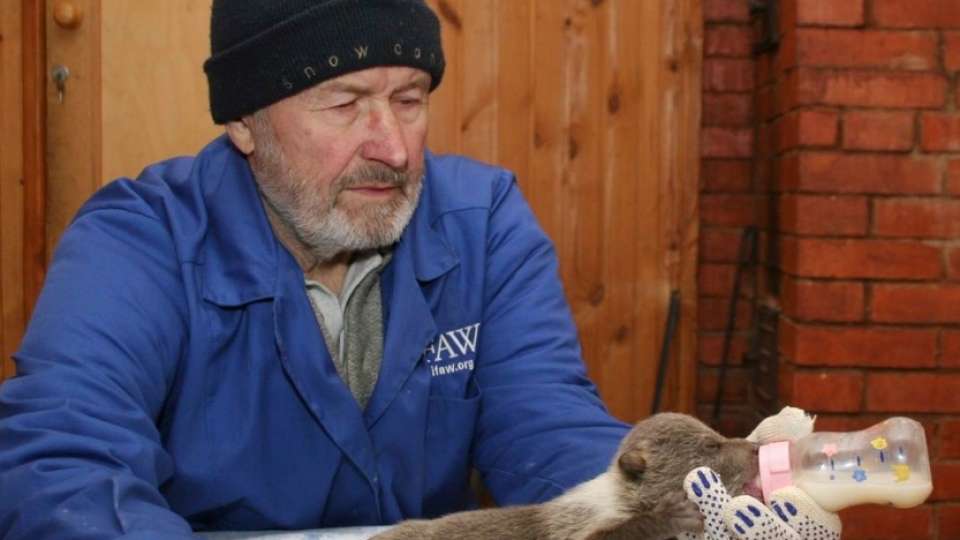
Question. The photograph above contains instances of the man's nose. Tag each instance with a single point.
(385, 141)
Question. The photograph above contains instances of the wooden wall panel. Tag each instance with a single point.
(11, 184)
(596, 107)
(154, 93)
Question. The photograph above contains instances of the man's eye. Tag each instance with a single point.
(408, 101)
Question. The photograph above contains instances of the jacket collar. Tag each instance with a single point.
(241, 253)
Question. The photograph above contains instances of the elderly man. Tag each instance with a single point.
(312, 323)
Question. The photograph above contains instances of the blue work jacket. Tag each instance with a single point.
(173, 377)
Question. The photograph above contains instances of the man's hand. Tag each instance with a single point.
(792, 514)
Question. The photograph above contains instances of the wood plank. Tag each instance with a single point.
(12, 311)
(34, 152)
(548, 144)
(687, 21)
(669, 148)
(583, 192)
(444, 129)
(514, 87)
(478, 85)
(73, 125)
(619, 366)
(153, 90)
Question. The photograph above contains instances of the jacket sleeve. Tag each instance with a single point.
(542, 426)
(80, 454)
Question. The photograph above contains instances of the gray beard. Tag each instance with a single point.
(330, 232)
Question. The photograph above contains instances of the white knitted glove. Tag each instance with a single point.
(792, 514)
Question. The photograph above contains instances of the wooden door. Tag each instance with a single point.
(594, 103)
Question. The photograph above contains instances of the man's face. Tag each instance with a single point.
(340, 165)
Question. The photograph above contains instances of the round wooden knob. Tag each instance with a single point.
(67, 15)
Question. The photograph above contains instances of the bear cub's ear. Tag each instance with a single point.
(632, 463)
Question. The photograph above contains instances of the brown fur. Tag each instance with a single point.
(639, 497)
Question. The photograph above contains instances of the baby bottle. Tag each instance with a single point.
(884, 464)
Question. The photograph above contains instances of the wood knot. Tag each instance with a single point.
(597, 295)
(621, 333)
(613, 102)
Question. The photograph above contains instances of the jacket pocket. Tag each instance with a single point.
(454, 418)
(447, 457)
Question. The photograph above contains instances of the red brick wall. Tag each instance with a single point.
(728, 202)
(844, 146)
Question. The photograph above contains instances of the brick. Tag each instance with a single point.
(946, 486)
(720, 142)
(719, 245)
(764, 175)
(916, 13)
(829, 301)
(824, 215)
(952, 51)
(716, 279)
(913, 218)
(948, 524)
(873, 347)
(881, 89)
(877, 130)
(913, 393)
(725, 11)
(808, 128)
(827, 391)
(860, 259)
(724, 210)
(728, 109)
(728, 75)
(767, 71)
(927, 304)
(949, 440)
(940, 132)
(735, 385)
(950, 350)
(726, 175)
(827, 172)
(953, 177)
(830, 12)
(953, 263)
(710, 349)
(765, 140)
(714, 314)
(766, 103)
(817, 47)
(874, 522)
(728, 40)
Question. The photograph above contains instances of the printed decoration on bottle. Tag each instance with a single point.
(901, 473)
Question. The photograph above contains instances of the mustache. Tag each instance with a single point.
(379, 175)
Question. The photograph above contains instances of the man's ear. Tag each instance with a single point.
(241, 135)
(633, 463)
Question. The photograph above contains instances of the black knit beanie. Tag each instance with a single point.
(265, 50)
